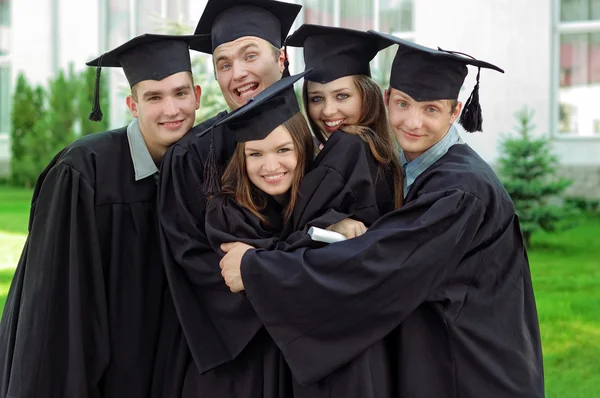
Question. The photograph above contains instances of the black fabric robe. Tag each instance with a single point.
(344, 181)
(82, 315)
(217, 323)
(259, 370)
(444, 281)
(227, 221)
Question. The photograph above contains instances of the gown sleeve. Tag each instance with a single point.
(345, 183)
(338, 300)
(54, 330)
(226, 221)
(217, 323)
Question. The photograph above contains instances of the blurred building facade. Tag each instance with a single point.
(550, 50)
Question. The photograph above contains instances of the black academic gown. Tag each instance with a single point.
(218, 324)
(446, 278)
(259, 370)
(82, 315)
(344, 181)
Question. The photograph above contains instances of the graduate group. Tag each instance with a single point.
(170, 260)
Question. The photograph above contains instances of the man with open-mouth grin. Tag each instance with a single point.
(246, 37)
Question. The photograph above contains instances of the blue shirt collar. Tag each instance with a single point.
(143, 165)
(414, 168)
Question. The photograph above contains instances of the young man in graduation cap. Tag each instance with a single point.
(246, 37)
(83, 313)
(445, 279)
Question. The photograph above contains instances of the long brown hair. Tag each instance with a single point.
(236, 182)
(373, 128)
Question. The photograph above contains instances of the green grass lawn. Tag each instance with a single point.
(566, 276)
(14, 209)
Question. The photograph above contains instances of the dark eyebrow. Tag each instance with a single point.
(246, 47)
(249, 149)
(181, 88)
(341, 89)
(148, 94)
(334, 91)
(220, 58)
(151, 94)
(240, 51)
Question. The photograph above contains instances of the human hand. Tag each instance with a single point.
(349, 228)
(231, 264)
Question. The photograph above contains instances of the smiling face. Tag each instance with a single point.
(419, 125)
(271, 162)
(245, 67)
(334, 104)
(165, 109)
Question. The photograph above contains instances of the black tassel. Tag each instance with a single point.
(471, 118)
(96, 114)
(286, 63)
(212, 185)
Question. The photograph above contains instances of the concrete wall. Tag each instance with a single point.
(502, 32)
(580, 162)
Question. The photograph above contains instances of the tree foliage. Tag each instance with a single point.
(46, 119)
(528, 170)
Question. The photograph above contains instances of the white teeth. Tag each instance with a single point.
(274, 177)
(333, 124)
(245, 88)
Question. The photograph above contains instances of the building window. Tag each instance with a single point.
(126, 19)
(320, 12)
(4, 98)
(5, 72)
(388, 16)
(4, 13)
(358, 14)
(579, 67)
(4, 27)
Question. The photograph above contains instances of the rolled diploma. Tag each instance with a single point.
(323, 235)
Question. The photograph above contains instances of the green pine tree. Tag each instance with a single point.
(85, 102)
(528, 170)
(62, 115)
(27, 136)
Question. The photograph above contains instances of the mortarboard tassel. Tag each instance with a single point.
(96, 114)
(212, 184)
(471, 118)
(286, 63)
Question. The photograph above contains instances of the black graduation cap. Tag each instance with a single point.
(336, 52)
(146, 57)
(228, 20)
(254, 121)
(427, 74)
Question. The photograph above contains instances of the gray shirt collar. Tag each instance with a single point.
(143, 164)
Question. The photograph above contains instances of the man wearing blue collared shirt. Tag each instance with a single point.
(414, 167)
(444, 279)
